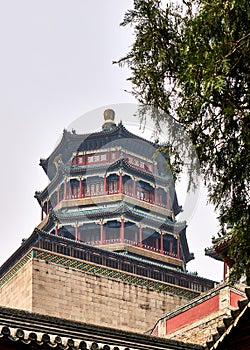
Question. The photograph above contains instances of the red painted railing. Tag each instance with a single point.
(133, 243)
(129, 194)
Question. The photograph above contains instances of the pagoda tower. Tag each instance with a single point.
(109, 190)
(108, 242)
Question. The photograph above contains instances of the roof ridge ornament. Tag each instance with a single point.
(109, 123)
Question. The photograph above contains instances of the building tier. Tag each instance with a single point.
(75, 255)
(113, 189)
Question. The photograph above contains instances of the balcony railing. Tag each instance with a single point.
(132, 243)
(129, 194)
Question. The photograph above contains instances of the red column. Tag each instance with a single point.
(122, 231)
(65, 190)
(134, 188)
(80, 195)
(155, 194)
(140, 236)
(105, 184)
(120, 182)
(168, 200)
(154, 168)
(136, 237)
(161, 244)
(178, 248)
(156, 243)
(102, 233)
(171, 247)
(76, 233)
(47, 207)
(70, 191)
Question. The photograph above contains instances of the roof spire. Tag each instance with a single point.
(109, 116)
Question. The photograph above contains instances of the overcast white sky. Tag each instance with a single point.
(56, 65)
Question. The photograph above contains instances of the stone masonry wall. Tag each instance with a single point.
(17, 292)
(201, 331)
(77, 295)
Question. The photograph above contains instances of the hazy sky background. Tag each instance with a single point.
(56, 65)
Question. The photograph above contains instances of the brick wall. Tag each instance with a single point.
(17, 292)
(77, 295)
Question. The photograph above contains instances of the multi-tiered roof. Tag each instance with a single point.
(110, 189)
(111, 201)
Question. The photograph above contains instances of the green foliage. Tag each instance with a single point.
(239, 249)
(191, 61)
